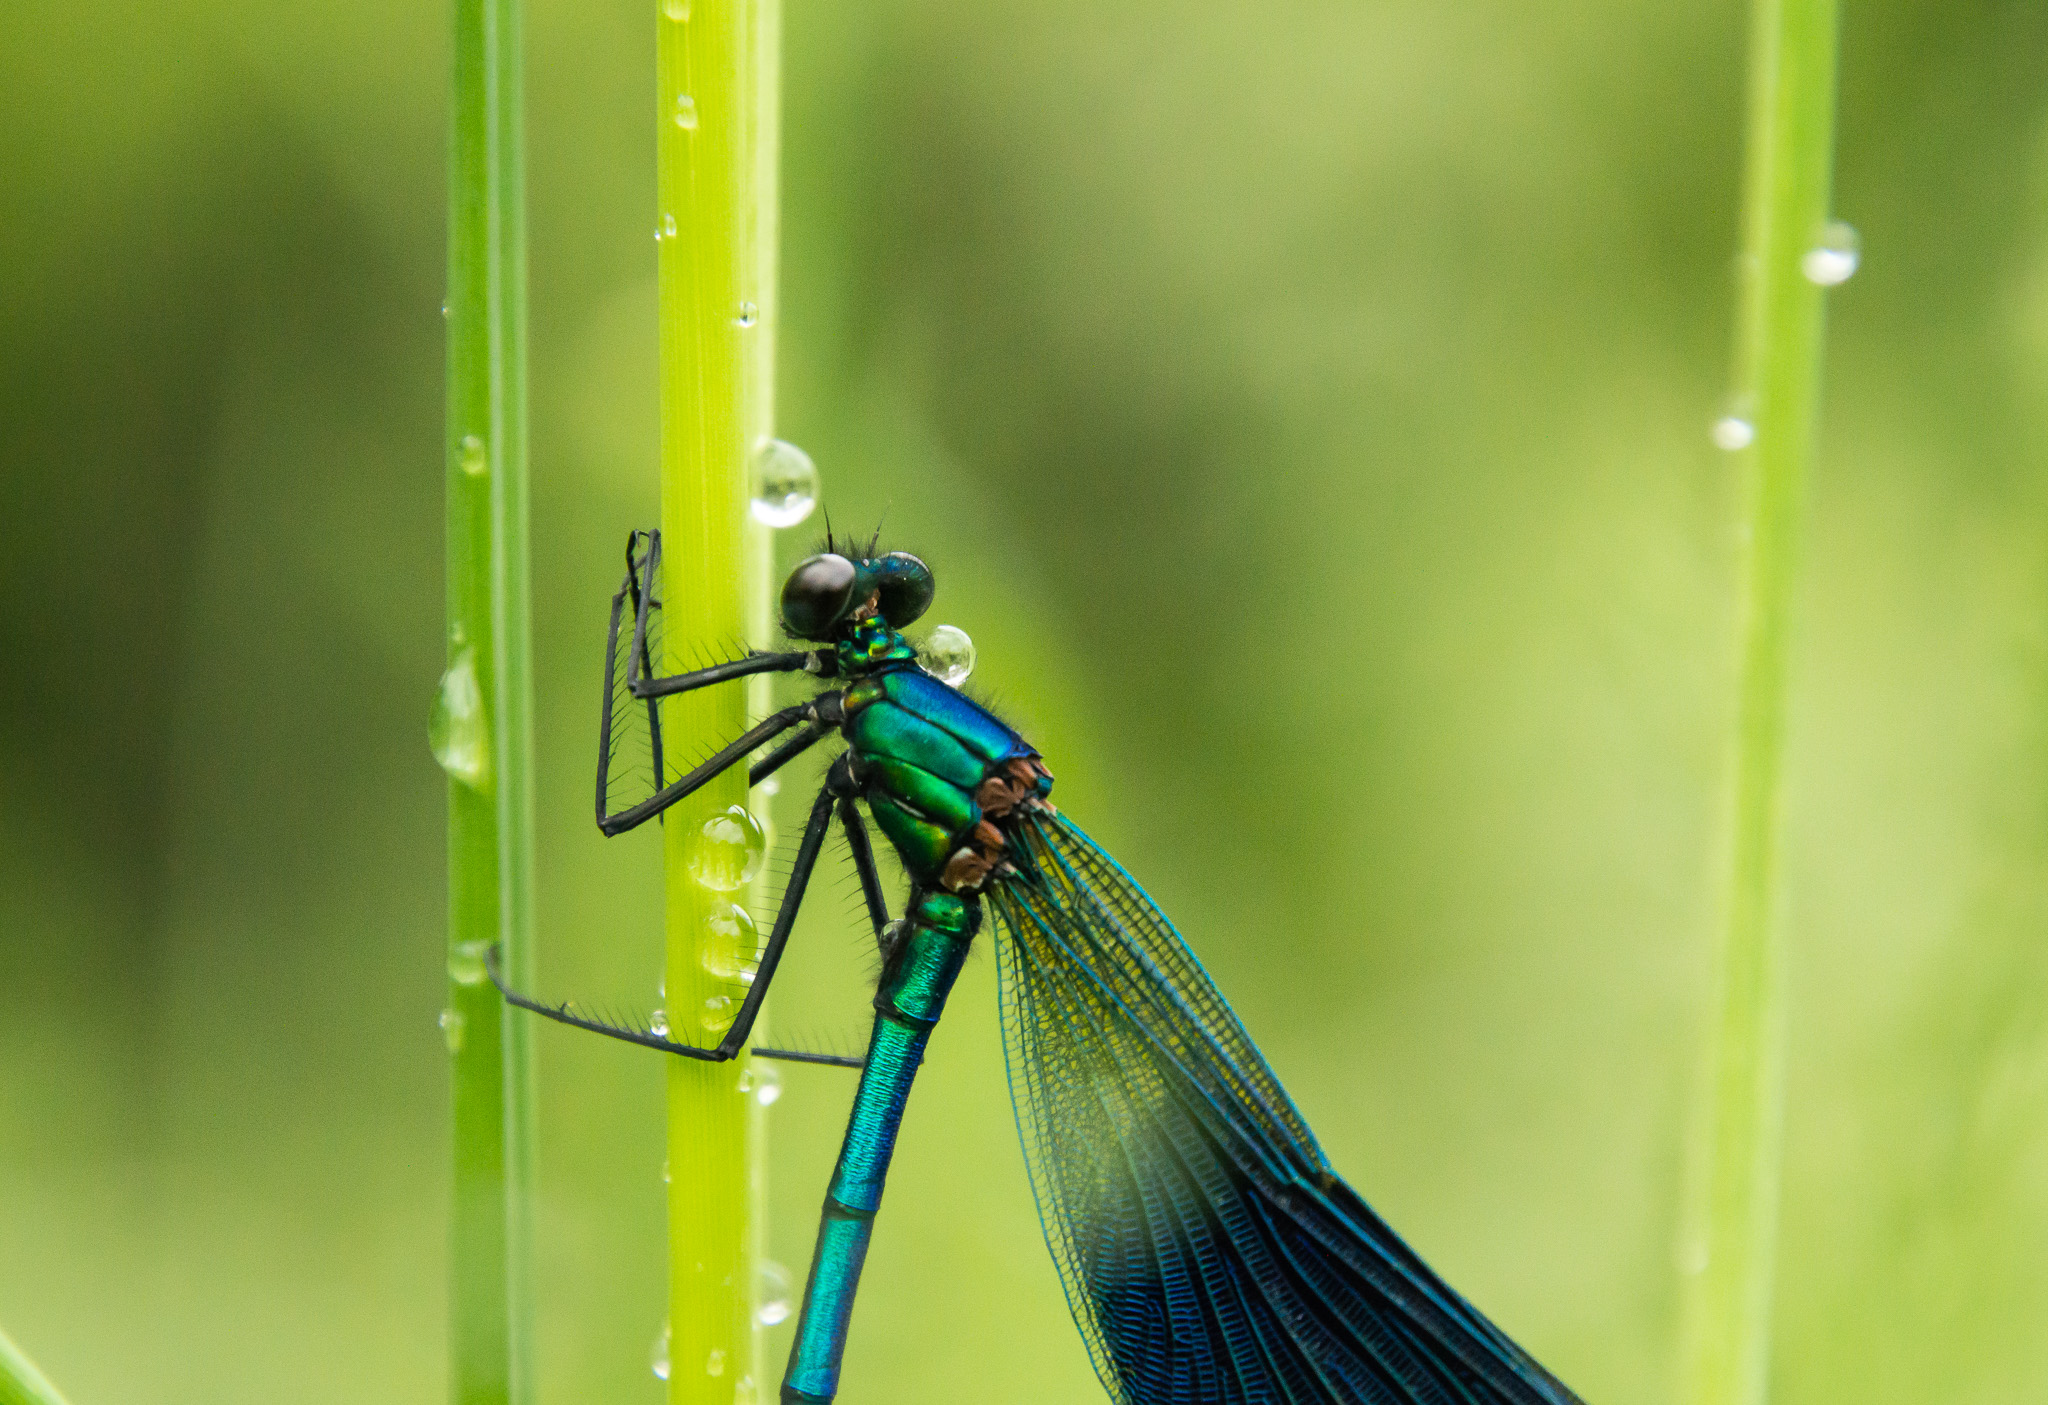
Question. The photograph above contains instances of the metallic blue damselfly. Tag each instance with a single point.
(1209, 1252)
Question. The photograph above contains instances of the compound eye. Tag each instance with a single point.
(816, 595)
(906, 587)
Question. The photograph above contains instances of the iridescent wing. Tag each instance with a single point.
(1208, 1252)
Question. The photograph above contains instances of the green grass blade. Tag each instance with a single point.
(716, 152)
(1733, 1229)
(20, 1382)
(484, 721)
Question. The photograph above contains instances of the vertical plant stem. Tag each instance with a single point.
(1779, 327)
(20, 1382)
(765, 207)
(716, 84)
(484, 728)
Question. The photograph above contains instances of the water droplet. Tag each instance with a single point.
(947, 654)
(677, 10)
(1833, 260)
(466, 963)
(474, 458)
(1735, 427)
(731, 943)
(451, 1029)
(456, 731)
(785, 484)
(660, 1355)
(765, 1084)
(726, 852)
(668, 227)
(714, 1364)
(718, 1013)
(892, 933)
(664, 1170)
(658, 1022)
(743, 1391)
(686, 112)
(771, 1293)
(748, 315)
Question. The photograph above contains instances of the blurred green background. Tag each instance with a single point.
(1305, 409)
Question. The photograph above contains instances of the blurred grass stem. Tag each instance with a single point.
(490, 796)
(1731, 1253)
(20, 1382)
(716, 154)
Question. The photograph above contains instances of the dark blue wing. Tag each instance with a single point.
(1208, 1252)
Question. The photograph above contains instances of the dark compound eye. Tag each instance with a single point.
(906, 587)
(816, 594)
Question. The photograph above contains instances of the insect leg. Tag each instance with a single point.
(692, 780)
(785, 920)
(864, 863)
(771, 955)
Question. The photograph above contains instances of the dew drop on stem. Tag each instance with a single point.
(771, 1294)
(1833, 260)
(727, 850)
(456, 731)
(785, 486)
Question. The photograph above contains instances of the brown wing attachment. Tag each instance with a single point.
(1015, 786)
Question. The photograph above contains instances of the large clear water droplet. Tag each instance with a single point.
(659, 1357)
(452, 1025)
(947, 654)
(771, 1293)
(727, 850)
(686, 112)
(717, 1015)
(1735, 427)
(747, 315)
(658, 1022)
(1833, 260)
(474, 457)
(714, 1364)
(785, 484)
(456, 731)
(466, 963)
(732, 943)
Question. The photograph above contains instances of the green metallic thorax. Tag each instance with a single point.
(921, 750)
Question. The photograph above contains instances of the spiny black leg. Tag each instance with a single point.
(785, 920)
(864, 865)
(639, 587)
(735, 1037)
(646, 687)
(788, 751)
(692, 780)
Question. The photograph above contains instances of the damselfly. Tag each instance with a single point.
(1209, 1252)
